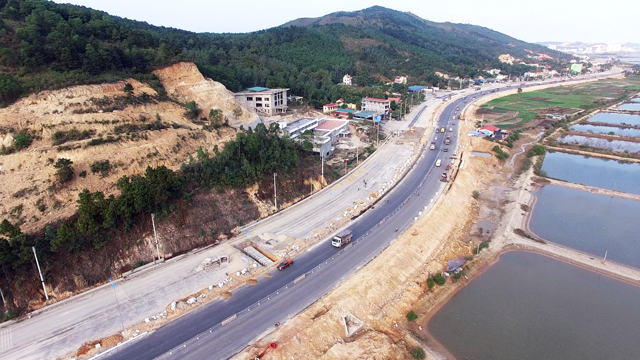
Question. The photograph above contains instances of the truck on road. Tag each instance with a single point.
(342, 238)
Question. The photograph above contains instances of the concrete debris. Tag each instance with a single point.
(173, 305)
(98, 346)
(352, 324)
(257, 255)
(146, 320)
(191, 301)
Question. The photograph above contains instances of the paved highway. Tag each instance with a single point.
(255, 309)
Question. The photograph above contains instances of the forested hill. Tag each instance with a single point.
(44, 45)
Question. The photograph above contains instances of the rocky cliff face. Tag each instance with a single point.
(185, 83)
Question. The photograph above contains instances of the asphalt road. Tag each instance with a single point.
(200, 335)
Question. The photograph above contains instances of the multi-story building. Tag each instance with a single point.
(330, 108)
(263, 100)
(346, 80)
(378, 105)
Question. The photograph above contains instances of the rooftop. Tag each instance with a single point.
(375, 99)
(332, 105)
(258, 88)
(331, 124)
(298, 124)
(417, 88)
(348, 111)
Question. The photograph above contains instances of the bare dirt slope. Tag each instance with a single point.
(184, 82)
(30, 194)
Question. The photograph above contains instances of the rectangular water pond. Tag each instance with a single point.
(528, 306)
(588, 222)
(630, 106)
(614, 118)
(603, 173)
(614, 130)
(616, 145)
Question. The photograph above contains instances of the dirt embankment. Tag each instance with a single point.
(132, 140)
(386, 289)
(185, 83)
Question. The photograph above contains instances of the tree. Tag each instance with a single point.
(128, 88)
(411, 316)
(192, 110)
(216, 118)
(237, 112)
(430, 283)
(418, 353)
(65, 171)
(519, 90)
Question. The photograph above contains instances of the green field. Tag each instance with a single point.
(582, 96)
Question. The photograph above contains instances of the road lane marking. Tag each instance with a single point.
(6, 339)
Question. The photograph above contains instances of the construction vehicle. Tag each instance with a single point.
(342, 238)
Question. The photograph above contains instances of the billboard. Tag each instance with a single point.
(576, 68)
(377, 117)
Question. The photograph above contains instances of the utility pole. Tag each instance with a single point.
(357, 159)
(322, 166)
(275, 191)
(153, 216)
(4, 303)
(39, 271)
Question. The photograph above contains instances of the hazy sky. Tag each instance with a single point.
(611, 21)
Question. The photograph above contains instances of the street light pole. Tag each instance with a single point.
(322, 177)
(275, 191)
(40, 271)
(153, 216)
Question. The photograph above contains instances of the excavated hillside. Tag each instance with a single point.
(91, 124)
(184, 82)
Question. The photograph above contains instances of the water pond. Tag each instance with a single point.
(483, 154)
(616, 145)
(606, 130)
(588, 222)
(629, 106)
(603, 173)
(614, 118)
(528, 306)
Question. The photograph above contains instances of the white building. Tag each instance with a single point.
(264, 101)
(378, 105)
(346, 80)
(402, 79)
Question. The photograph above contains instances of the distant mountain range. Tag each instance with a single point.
(45, 45)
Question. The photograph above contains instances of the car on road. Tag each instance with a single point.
(438, 162)
(450, 129)
(446, 149)
(285, 264)
(442, 130)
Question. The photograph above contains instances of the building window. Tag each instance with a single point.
(266, 105)
(266, 99)
(258, 105)
(249, 98)
(258, 99)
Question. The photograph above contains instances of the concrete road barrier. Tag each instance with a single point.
(229, 319)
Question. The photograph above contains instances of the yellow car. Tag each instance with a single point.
(442, 130)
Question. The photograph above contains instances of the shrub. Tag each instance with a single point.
(476, 194)
(411, 316)
(536, 151)
(418, 353)
(440, 279)
(500, 154)
(65, 171)
(103, 167)
(82, 173)
(430, 283)
(483, 245)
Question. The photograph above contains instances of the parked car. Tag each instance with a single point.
(285, 264)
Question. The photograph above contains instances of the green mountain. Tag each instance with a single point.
(44, 45)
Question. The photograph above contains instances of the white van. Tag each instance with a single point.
(438, 162)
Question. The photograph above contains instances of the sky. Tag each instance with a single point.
(611, 21)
